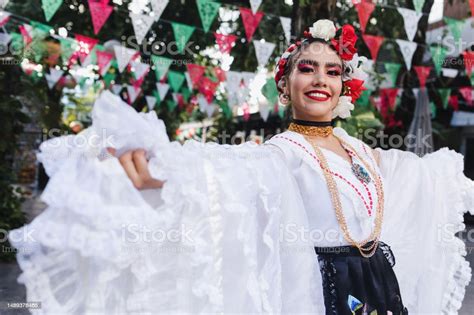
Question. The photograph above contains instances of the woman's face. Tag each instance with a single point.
(315, 83)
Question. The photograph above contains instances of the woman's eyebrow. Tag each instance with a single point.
(315, 63)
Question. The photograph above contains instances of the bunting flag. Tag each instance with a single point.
(203, 103)
(438, 53)
(161, 65)
(364, 10)
(233, 83)
(392, 69)
(53, 77)
(450, 73)
(410, 20)
(141, 25)
(471, 4)
(195, 73)
(210, 110)
(255, 4)
(158, 7)
(388, 98)
(163, 89)
(373, 43)
(139, 69)
(123, 56)
(186, 93)
(225, 42)
(454, 102)
(26, 32)
(132, 93)
(444, 95)
(4, 17)
(472, 79)
(269, 90)
(117, 88)
(433, 110)
(407, 49)
(418, 4)
(423, 72)
(104, 61)
(178, 98)
(455, 27)
(150, 102)
(286, 25)
(171, 105)
(182, 33)
(466, 93)
(85, 45)
(175, 80)
(189, 82)
(100, 11)
(50, 7)
(247, 77)
(68, 47)
(364, 98)
(208, 88)
(263, 50)
(264, 111)
(207, 11)
(5, 38)
(468, 57)
(251, 21)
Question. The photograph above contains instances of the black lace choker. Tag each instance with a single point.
(313, 123)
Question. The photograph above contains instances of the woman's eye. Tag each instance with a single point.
(305, 68)
(334, 72)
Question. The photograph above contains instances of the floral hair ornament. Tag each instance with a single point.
(343, 41)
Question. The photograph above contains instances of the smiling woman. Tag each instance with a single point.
(314, 221)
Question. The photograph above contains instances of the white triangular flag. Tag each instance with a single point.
(141, 24)
(247, 77)
(233, 79)
(286, 24)
(162, 89)
(210, 110)
(263, 50)
(203, 103)
(53, 77)
(117, 88)
(254, 4)
(150, 102)
(158, 7)
(132, 93)
(415, 92)
(139, 69)
(5, 38)
(411, 19)
(189, 82)
(123, 55)
(450, 73)
(264, 110)
(408, 49)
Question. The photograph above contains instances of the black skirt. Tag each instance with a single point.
(353, 284)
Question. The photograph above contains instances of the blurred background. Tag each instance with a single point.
(206, 68)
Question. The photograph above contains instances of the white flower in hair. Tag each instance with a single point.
(343, 107)
(354, 69)
(324, 29)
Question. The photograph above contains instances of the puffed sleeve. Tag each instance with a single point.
(207, 242)
(425, 199)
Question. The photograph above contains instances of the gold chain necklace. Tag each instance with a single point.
(322, 131)
(336, 201)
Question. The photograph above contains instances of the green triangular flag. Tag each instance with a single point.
(444, 94)
(472, 78)
(171, 104)
(438, 53)
(175, 79)
(182, 33)
(17, 43)
(455, 26)
(40, 28)
(108, 77)
(393, 69)
(186, 93)
(207, 11)
(226, 109)
(281, 111)
(161, 64)
(418, 5)
(269, 90)
(68, 47)
(363, 100)
(433, 110)
(50, 7)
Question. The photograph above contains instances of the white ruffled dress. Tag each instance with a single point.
(233, 229)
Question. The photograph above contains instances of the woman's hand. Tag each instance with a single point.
(136, 166)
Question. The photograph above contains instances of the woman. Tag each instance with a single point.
(310, 222)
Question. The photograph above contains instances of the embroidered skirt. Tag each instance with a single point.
(353, 284)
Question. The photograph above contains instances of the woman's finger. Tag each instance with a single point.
(129, 167)
(141, 164)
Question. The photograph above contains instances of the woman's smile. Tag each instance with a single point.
(318, 95)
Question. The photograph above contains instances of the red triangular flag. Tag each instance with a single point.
(27, 39)
(208, 88)
(100, 12)
(195, 73)
(466, 92)
(423, 72)
(220, 74)
(86, 44)
(103, 59)
(364, 10)
(468, 57)
(373, 43)
(471, 4)
(388, 97)
(250, 21)
(225, 42)
(454, 102)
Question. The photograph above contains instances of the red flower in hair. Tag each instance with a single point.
(344, 42)
(354, 88)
